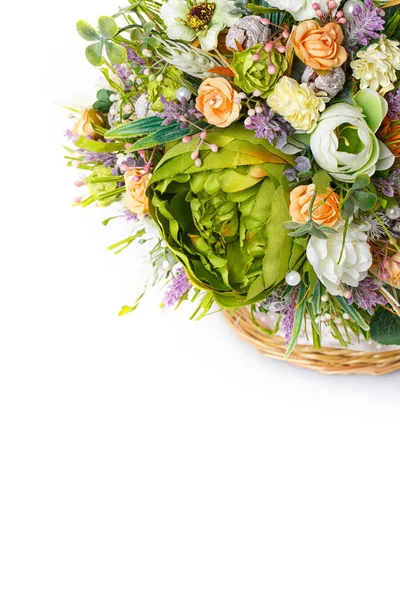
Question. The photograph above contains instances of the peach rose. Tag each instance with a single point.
(326, 209)
(319, 47)
(392, 265)
(83, 126)
(135, 199)
(218, 101)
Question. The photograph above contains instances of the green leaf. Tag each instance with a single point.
(108, 27)
(135, 128)
(322, 181)
(170, 133)
(86, 31)
(298, 319)
(95, 146)
(361, 181)
(94, 54)
(385, 327)
(365, 200)
(354, 314)
(348, 209)
(115, 52)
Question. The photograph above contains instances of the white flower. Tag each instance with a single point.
(192, 61)
(376, 66)
(300, 9)
(354, 263)
(344, 145)
(190, 19)
(297, 103)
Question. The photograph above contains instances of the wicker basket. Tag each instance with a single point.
(326, 360)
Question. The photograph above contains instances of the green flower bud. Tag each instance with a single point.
(223, 220)
(252, 75)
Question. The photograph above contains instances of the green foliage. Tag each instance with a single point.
(153, 131)
(385, 327)
(102, 38)
(357, 197)
(103, 102)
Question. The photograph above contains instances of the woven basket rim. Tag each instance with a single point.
(333, 361)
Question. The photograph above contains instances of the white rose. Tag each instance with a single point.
(354, 263)
(300, 9)
(344, 145)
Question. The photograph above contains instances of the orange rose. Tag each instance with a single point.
(392, 265)
(83, 125)
(218, 101)
(135, 198)
(326, 209)
(319, 47)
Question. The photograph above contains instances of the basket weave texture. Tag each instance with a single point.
(326, 360)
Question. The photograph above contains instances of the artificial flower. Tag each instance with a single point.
(187, 59)
(344, 145)
(190, 19)
(223, 219)
(301, 9)
(218, 101)
(319, 47)
(342, 258)
(326, 208)
(259, 75)
(389, 133)
(83, 126)
(247, 32)
(297, 103)
(135, 198)
(376, 65)
(168, 86)
(392, 267)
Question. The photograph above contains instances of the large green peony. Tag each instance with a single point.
(223, 220)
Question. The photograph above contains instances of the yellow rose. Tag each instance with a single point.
(297, 103)
(392, 265)
(135, 199)
(319, 47)
(218, 101)
(83, 126)
(326, 209)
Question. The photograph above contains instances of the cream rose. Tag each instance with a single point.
(297, 103)
(218, 101)
(135, 199)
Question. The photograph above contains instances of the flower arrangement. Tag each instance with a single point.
(263, 141)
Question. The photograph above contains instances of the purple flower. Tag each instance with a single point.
(284, 306)
(390, 185)
(270, 127)
(367, 295)
(123, 72)
(394, 105)
(178, 286)
(366, 23)
(303, 165)
(175, 111)
(131, 55)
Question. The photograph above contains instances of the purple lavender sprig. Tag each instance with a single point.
(302, 165)
(365, 25)
(388, 186)
(367, 295)
(269, 126)
(284, 306)
(393, 100)
(174, 111)
(178, 286)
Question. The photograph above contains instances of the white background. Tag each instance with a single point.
(149, 457)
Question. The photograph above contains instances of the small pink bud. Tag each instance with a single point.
(214, 148)
(194, 155)
(127, 146)
(259, 110)
(271, 69)
(77, 200)
(203, 135)
(342, 20)
(268, 46)
(256, 57)
(281, 49)
(186, 139)
(237, 100)
(256, 93)
(265, 21)
(79, 183)
(315, 6)
(332, 4)
(319, 13)
(198, 162)
(285, 34)
(247, 121)
(124, 167)
(251, 112)
(339, 14)
(136, 178)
